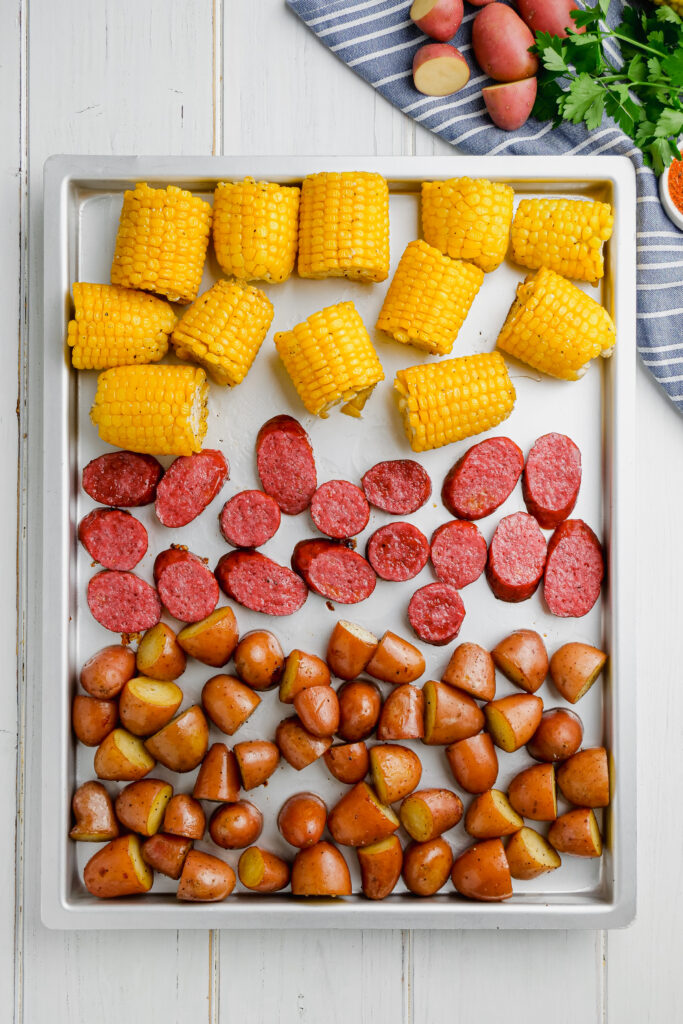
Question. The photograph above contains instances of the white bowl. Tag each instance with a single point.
(673, 213)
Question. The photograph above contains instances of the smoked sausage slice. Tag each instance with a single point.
(516, 559)
(398, 551)
(574, 570)
(122, 602)
(115, 539)
(483, 478)
(436, 613)
(259, 583)
(125, 479)
(340, 509)
(189, 484)
(334, 571)
(285, 464)
(552, 477)
(399, 486)
(249, 519)
(187, 587)
(458, 553)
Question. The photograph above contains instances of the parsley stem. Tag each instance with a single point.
(634, 42)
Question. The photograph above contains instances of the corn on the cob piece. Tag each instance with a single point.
(330, 359)
(159, 410)
(223, 330)
(161, 242)
(468, 219)
(429, 298)
(255, 229)
(563, 234)
(344, 226)
(555, 327)
(115, 326)
(445, 402)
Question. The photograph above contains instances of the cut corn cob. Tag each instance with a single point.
(160, 410)
(344, 226)
(115, 326)
(223, 330)
(330, 359)
(563, 234)
(445, 402)
(255, 229)
(555, 327)
(161, 242)
(429, 298)
(468, 219)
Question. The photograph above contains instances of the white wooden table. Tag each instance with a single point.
(244, 76)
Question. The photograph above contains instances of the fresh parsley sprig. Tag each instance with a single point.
(583, 77)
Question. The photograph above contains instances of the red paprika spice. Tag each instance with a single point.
(675, 183)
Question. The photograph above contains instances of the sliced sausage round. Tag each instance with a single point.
(122, 602)
(125, 479)
(334, 571)
(115, 539)
(574, 570)
(398, 551)
(285, 464)
(187, 587)
(399, 486)
(436, 613)
(483, 478)
(458, 552)
(516, 559)
(189, 484)
(249, 519)
(552, 477)
(340, 509)
(259, 583)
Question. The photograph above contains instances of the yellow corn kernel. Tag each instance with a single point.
(564, 234)
(447, 401)
(223, 330)
(555, 327)
(344, 226)
(160, 410)
(255, 229)
(330, 358)
(676, 5)
(468, 219)
(161, 242)
(428, 299)
(115, 326)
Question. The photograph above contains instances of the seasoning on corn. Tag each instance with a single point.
(330, 358)
(117, 326)
(428, 299)
(161, 242)
(468, 219)
(255, 229)
(555, 327)
(159, 410)
(223, 330)
(563, 234)
(447, 401)
(344, 226)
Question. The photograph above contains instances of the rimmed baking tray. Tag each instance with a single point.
(82, 203)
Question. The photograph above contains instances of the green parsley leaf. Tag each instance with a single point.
(584, 91)
(669, 122)
(637, 69)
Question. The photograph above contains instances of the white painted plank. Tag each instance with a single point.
(643, 969)
(10, 203)
(124, 77)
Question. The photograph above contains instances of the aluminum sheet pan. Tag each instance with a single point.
(82, 203)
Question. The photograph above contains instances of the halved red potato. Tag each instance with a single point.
(301, 671)
(205, 878)
(236, 825)
(259, 659)
(261, 871)
(530, 855)
(93, 719)
(429, 813)
(396, 771)
(426, 866)
(449, 714)
(513, 720)
(574, 668)
(257, 760)
(558, 736)
(141, 805)
(396, 661)
(360, 703)
(166, 853)
(584, 778)
(439, 69)
(510, 103)
(532, 793)
(302, 819)
(402, 714)
(380, 867)
(360, 818)
(523, 659)
(184, 817)
(471, 669)
(95, 821)
(105, 673)
(298, 747)
(482, 872)
(474, 763)
(491, 815)
(350, 648)
(147, 705)
(229, 702)
(439, 19)
(182, 743)
(159, 655)
(211, 640)
(218, 778)
(320, 870)
(348, 762)
(577, 833)
(122, 757)
(318, 710)
(118, 870)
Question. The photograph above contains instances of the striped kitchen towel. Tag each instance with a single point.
(377, 39)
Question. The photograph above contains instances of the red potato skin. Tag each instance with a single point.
(510, 103)
(396, 661)
(396, 771)
(93, 719)
(302, 671)
(111, 872)
(482, 872)
(442, 21)
(426, 866)
(584, 778)
(135, 801)
(571, 833)
(298, 747)
(228, 702)
(348, 762)
(275, 871)
(236, 825)
(318, 710)
(501, 40)
(205, 878)
(360, 704)
(94, 814)
(558, 736)
(259, 659)
(218, 778)
(106, 673)
(471, 669)
(166, 853)
(257, 760)
(302, 819)
(474, 763)
(523, 713)
(347, 654)
(456, 715)
(182, 744)
(445, 807)
(184, 817)
(440, 51)
(402, 715)
(357, 820)
(532, 793)
(380, 867)
(320, 870)
(551, 16)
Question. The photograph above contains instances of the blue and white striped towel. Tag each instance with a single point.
(377, 39)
